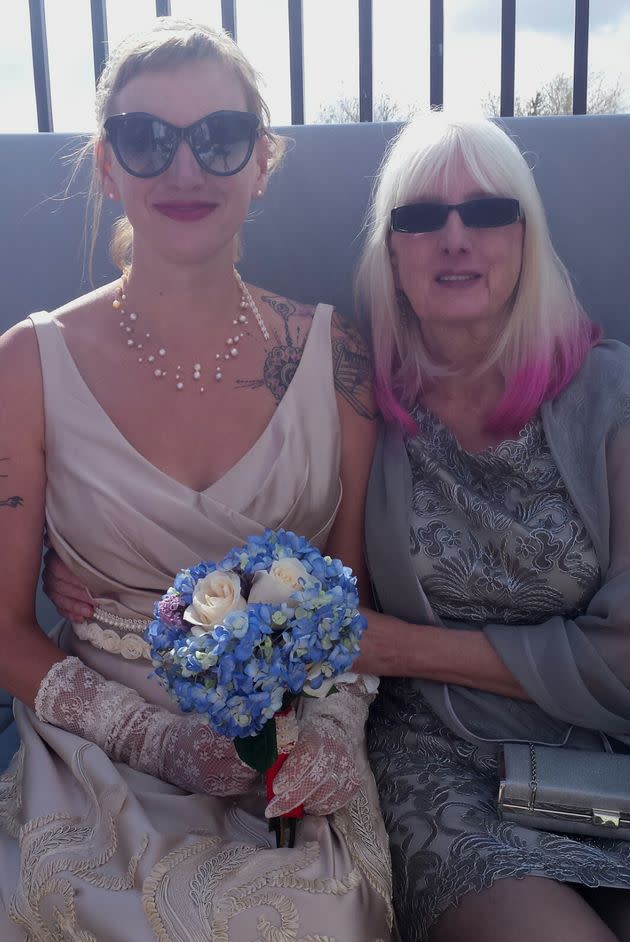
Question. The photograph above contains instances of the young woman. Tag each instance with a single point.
(155, 422)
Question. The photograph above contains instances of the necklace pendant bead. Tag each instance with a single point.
(133, 317)
(242, 318)
(179, 386)
(233, 352)
(196, 375)
(162, 352)
(157, 373)
(116, 304)
(151, 359)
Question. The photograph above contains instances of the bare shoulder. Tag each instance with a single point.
(21, 393)
(82, 313)
(19, 357)
(352, 367)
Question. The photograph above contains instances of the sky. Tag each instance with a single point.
(544, 47)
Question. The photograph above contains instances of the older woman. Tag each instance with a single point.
(498, 537)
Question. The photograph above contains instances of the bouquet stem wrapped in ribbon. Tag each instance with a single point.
(240, 640)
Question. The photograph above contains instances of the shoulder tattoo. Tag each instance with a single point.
(283, 359)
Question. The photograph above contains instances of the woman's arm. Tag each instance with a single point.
(392, 647)
(27, 653)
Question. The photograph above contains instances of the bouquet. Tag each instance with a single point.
(239, 640)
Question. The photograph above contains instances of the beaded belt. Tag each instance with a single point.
(115, 634)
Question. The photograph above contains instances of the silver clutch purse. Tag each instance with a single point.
(568, 790)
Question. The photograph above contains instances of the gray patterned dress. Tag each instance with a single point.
(494, 538)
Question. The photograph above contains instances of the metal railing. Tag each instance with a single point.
(41, 73)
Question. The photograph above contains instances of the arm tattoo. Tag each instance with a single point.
(12, 502)
(352, 367)
(9, 501)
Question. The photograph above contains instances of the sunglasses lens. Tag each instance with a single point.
(489, 213)
(143, 144)
(223, 142)
(419, 217)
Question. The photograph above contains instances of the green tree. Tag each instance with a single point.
(556, 97)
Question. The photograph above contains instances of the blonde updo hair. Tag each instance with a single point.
(169, 43)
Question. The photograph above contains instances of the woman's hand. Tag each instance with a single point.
(67, 593)
(318, 773)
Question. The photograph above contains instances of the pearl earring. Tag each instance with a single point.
(259, 193)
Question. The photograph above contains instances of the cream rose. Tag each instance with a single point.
(215, 595)
(282, 580)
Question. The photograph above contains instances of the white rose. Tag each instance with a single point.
(215, 595)
(282, 580)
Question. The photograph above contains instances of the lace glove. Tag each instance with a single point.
(320, 771)
(182, 749)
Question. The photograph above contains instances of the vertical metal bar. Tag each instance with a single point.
(228, 17)
(296, 60)
(508, 51)
(41, 72)
(580, 57)
(365, 61)
(436, 84)
(100, 45)
(162, 7)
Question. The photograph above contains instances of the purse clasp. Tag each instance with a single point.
(607, 819)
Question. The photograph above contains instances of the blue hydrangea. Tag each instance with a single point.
(239, 673)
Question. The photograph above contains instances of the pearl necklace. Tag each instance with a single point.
(129, 325)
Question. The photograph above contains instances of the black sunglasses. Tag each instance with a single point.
(145, 146)
(488, 212)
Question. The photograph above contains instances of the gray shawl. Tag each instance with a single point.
(576, 671)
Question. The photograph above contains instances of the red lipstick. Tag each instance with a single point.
(185, 211)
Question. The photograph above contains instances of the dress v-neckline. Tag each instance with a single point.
(223, 478)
